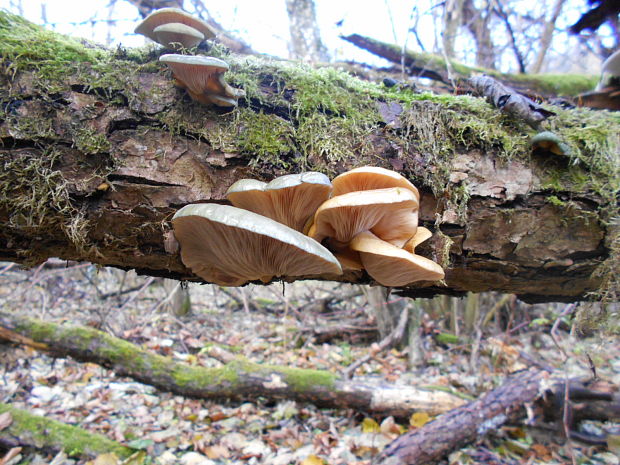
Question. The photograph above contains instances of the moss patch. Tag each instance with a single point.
(45, 433)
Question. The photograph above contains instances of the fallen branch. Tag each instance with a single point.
(465, 424)
(387, 343)
(26, 429)
(238, 379)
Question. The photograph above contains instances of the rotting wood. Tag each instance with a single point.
(98, 152)
(589, 400)
(238, 379)
(464, 424)
(27, 429)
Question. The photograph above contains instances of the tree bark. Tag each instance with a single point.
(50, 435)
(547, 34)
(434, 67)
(99, 149)
(238, 379)
(464, 424)
(305, 43)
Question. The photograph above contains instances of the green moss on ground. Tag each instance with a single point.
(43, 432)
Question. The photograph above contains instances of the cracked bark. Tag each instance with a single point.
(108, 198)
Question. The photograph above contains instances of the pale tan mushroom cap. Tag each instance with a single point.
(203, 78)
(250, 194)
(171, 34)
(172, 15)
(368, 178)
(230, 246)
(392, 266)
(390, 213)
(422, 234)
(291, 199)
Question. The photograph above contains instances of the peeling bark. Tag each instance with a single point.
(98, 152)
(465, 424)
(238, 379)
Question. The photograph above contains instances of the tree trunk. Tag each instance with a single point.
(99, 149)
(547, 34)
(238, 379)
(305, 43)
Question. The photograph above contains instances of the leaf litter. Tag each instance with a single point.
(274, 324)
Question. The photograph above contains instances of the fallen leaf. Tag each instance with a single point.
(5, 420)
(312, 460)
(370, 426)
(106, 459)
(419, 419)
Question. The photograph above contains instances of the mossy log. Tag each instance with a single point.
(238, 379)
(427, 65)
(99, 149)
(29, 430)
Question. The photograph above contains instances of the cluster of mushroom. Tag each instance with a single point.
(201, 76)
(303, 225)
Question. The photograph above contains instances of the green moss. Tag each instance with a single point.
(89, 141)
(27, 46)
(45, 433)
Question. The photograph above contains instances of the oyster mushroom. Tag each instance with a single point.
(230, 246)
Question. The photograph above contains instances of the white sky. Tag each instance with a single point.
(263, 24)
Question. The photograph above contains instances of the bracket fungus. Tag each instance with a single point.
(171, 34)
(203, 78)
(368, 178)
(230, 246)
(151, 27)
(291, 199)
(392, 266)
(422, 234)
(391, 213)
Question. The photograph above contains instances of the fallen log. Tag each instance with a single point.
(427, 65)
(465, 424)
(27, 430)
(471, 422)
(98, 149)
(238, 379)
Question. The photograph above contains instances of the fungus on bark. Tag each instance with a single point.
(392, 266)
(165, 16)
(291, 199)
(368, 178)
(391, 213)
(203, 78)
(422, 234)
(171, 34)
(230, 246)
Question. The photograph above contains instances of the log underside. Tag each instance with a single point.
(95, 174)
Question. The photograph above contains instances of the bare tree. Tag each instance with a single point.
(305, 41)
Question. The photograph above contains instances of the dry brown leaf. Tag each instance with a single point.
(5, 420)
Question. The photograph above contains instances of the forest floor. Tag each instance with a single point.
(274, 324)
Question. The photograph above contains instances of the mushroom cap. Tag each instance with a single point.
(230, 246)
(195, 73)
(171, 34)
(291, 199)
(549, 141)
(422, 234)
(370, 177)
(172, 15)
(392, 266)
(203, 78)
(389, 213)
(250, 194)
(612, 64)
